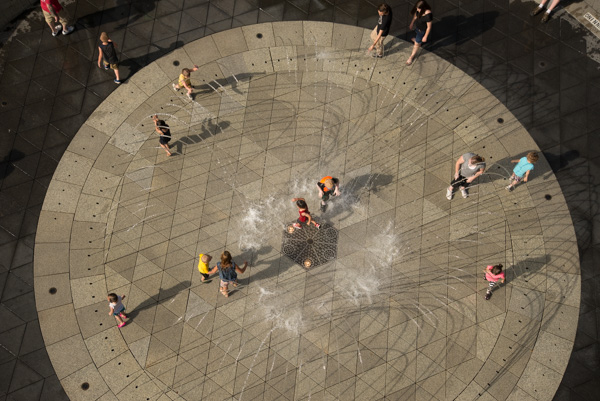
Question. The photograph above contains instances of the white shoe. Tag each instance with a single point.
(448, 194)
(69, 30)
(464, 193)
(174, 88)
(510, 188)
(189, 96)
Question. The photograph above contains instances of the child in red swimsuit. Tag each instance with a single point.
(304, 214)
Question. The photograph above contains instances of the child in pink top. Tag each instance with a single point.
(493, 274)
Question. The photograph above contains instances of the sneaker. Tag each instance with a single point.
(69, 30)
(189, 96)
(379, 56)
(296, 225)
(536, 11)
(106, 67)
(448, 194)
(121, 325)
(323, 207)
(117, 81)
(509, 188)
(545, 18)
(175, 87)
(57, 30)
(124, 316)
(317, 225)
(464, 193)
(488, 295)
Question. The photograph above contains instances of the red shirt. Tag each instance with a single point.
(54, 3)
(303, 218)
(489, 276)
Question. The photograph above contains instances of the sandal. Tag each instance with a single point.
(124, 316)
(409, 61)
(121, 325)
(224, 291)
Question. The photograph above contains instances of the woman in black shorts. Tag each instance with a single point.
(421, 21)
(165, 134)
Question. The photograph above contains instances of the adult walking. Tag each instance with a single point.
(382, 29)
(53, 13)
(467, 168)
(421, 22)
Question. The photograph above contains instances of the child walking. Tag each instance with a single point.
(108, 54)
(117, 309)
(522, 169)
(304, 214)
(184, 81)
(163, 130)
(228, 271)
(493, 274)
(203, 266)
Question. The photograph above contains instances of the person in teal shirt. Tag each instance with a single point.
(522, 169)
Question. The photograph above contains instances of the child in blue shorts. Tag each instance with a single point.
(522, 169)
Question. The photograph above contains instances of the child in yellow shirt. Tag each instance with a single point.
(203, 266)
(184, 81)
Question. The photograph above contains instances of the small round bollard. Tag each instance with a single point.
(176, 63)
(52, 290)
(85, 386)
(259, 35)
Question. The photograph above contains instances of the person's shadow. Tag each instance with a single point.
(351, 192)
(164, 295)
(6, 165)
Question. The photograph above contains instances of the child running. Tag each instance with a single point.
(522, 169)
(108, 54)
(493, 274)
(304, 214)
(203, 266)
(117, 309)
(228, 271)
(184, 81)
(328, 186)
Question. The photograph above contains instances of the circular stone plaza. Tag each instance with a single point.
(393, 305)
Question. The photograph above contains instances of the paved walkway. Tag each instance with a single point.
(552, 72)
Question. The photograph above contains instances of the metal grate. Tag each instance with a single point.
(310, 246)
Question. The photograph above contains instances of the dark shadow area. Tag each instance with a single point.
(230, 82)
(208, 129)
(164, 295)
(6, 165)
(458, 29)
(125, 13)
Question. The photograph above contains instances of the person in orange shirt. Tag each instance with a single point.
(328, 186)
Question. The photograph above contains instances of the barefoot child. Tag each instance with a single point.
(328, 186)
(203, 266)
(108, 55)
(117, 309)
(228, 271)
(165, 134)
(522, 169)
(493, 274)
(185, 82)
(304, 214)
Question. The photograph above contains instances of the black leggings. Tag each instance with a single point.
(459, 182)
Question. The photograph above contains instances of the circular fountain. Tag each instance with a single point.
(392, 305)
